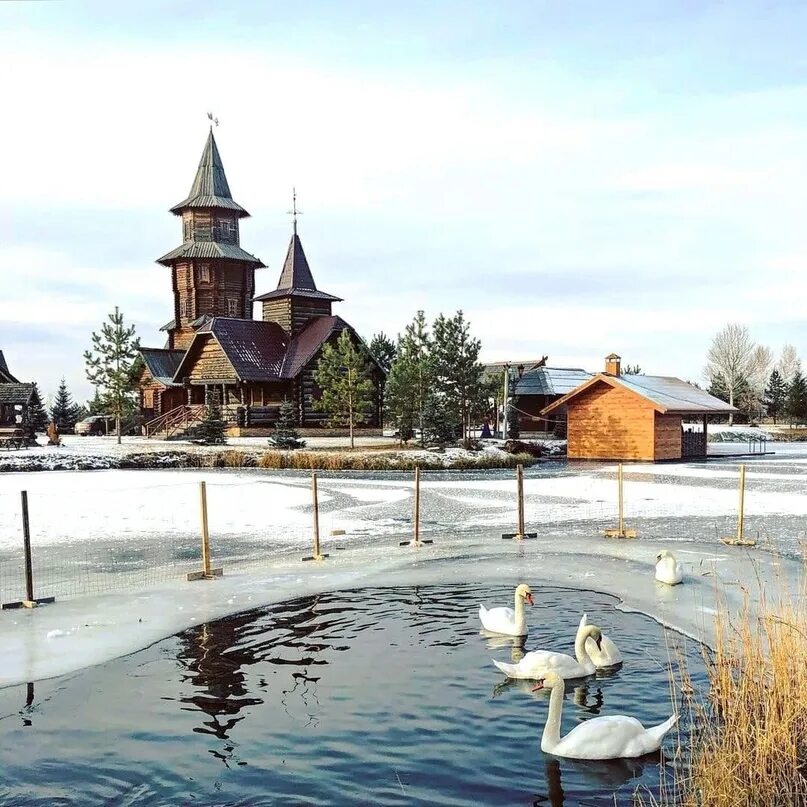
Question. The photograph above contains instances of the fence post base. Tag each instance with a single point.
(316, 557)
(28, 603)
(204, 575)
(518, 536)
(416, 542)
(619, 533)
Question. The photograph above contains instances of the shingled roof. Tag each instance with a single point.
(305, 345)
(255, 349)
(296, 279)
(210, 188)
(211, 250)
(16, 394)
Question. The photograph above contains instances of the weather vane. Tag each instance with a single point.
(294, 211)
(212, 119)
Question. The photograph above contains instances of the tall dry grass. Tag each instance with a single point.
(749, 743)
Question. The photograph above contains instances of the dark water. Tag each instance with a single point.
(368, 697)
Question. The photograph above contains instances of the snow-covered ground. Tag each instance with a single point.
(114, 546)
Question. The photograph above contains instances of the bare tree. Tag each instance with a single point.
(788, 363)
(760, 368)
(730, 357)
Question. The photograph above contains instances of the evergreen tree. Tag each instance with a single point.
(211, 429)
(775, 395)
(37, 416)
(382, 349)
(110, 363)
(286, 435)
(632, 369)
(96, 406)
(457, 371)
(64, 413)
(409, 384)
(343, 375)
(438, 423)
(796, 405)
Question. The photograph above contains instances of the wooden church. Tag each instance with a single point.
(215, 345)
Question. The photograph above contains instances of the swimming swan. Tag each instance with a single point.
(506, 620)
(668, 569)
(609, 737)
(537, 663)
(607, 655)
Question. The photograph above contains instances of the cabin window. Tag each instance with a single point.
(232, 307)
(224, 230)
(148, 398)
(183, 309)
(187, 229)
(203, 273)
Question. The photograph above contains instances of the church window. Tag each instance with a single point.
(203, 273)
(187, 229)
(225, 230)
(232, 307)
(183, 309)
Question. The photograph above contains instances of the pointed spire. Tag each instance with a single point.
(210, 188)
(294, 211)
(296, 274)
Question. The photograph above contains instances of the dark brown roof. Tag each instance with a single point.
(305, 345)
(210, 188)
(16, 394)
(296, 279)
(162, 364)
(255, 349)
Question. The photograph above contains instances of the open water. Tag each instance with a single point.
(378, 696)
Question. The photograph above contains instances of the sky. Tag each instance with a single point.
(579, 178)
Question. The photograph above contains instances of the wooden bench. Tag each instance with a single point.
(12, 438)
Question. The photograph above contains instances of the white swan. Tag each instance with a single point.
(609, 737)
(537, 663)
(507, 620)
(606, 655)
(668, 569)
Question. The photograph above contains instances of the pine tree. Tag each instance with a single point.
(796, 405)
(439, 423)
(286, 435)
(409, 383)
(457, 371)
(37, 416)
(211, 430)
(343, 375)
(382, 349)
(775, 395)
(110, 362)
(64, 413)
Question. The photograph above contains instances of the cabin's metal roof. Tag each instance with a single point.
(16, 394)
(296, 279)
(211, 250)
(674, 395)
(162, 364)
(551, 381)
(210, 187)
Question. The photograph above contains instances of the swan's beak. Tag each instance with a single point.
(539, 685)
(530, 599)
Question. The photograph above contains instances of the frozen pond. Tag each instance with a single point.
(382, 696)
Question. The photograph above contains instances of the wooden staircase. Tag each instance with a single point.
(176, 421)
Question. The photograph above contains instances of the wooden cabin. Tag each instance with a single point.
(215, 345)
(612, 416)
(15, 397)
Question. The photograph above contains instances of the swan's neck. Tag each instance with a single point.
(520, 617)
(580, 652)
(552, 728)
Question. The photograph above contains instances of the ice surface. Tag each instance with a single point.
(260, 525)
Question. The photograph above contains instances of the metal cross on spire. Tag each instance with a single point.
(294, 211)
(212, 119)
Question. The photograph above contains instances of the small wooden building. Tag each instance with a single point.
(636, 417)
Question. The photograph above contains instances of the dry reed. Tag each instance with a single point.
(749, 743)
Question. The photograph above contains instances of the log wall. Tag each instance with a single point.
(610, 423)
(294, 313)
(211, 365)
(668, 444)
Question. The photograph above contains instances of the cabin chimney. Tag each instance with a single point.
(613, 365)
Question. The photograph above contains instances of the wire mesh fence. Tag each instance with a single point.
(91, 540)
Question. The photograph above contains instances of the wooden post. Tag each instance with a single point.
(30, 601)
(317, 555)
(416, 539)
(520, 535)
(620, 531)
(207, 573)
(739, 539)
